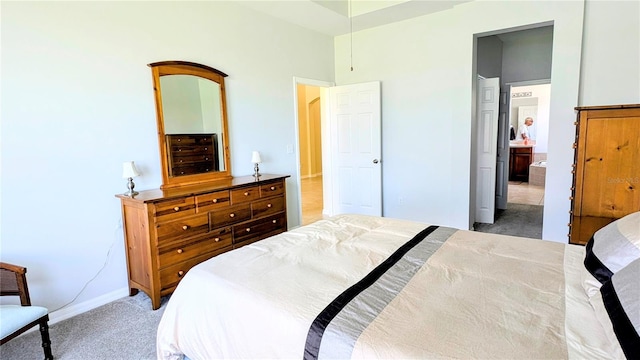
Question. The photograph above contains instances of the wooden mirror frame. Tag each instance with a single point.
(163, 68)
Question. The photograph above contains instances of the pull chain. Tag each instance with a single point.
(351, 33)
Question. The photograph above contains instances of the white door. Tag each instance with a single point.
(487, 125)
(502, 163)
(356, 149)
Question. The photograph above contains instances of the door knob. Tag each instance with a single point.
(375, 161)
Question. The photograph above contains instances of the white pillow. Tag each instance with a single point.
(613, 247)
(617, 308)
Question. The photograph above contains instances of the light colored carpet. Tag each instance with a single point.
(123, 329)
(517, 220)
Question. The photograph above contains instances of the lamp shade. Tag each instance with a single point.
(129, 170)
(255, 158)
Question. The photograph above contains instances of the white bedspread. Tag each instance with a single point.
(479, 296)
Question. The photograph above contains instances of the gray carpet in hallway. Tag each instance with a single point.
(124, 329)
(518, 220)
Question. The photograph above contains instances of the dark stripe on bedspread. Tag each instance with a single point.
(345, 303)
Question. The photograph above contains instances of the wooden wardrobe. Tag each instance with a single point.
(606, 169)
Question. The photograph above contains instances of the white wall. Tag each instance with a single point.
(425, 65)
(610, 71)
(77, 101)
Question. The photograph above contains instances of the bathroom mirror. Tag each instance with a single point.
(192, 123)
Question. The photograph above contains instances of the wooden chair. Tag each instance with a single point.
(16, 319)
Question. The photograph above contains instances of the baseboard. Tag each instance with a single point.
(77, 309)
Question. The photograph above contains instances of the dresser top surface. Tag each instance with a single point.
(239, 181)
(608, 107)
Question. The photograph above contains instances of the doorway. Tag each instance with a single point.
(522, 61)
(310, 152)
(346, 156)
(531, 101)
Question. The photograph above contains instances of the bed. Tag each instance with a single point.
(355, 286)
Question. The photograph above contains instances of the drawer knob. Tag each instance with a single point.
(273, 188)
(569, 224)
(185, 227)
(248, 229)
(246, 193)
(180, 251)
(215, 201)
(274, 221)
(570, 197)
(232, 215)
(177, 208)
(216, 239)
(269, 205)
(180, 273)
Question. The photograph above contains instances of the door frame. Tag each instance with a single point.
(474, 115)
(325, 141)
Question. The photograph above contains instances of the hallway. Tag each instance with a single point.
(523, 216)
(311, 189)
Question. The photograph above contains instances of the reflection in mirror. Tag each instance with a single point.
(192, 123)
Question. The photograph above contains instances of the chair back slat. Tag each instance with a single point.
(8, 283)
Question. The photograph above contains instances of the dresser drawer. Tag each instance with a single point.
(170, 276)
(245, 194)
(173, 209)
(182, 228)
(230, 215)
(192, 167)
(267, 206)
(188, 139)
(276, 188)
(170, 255)
(185, 150)
(212, 201)
(259, 229)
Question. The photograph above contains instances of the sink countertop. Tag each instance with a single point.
(518, 144)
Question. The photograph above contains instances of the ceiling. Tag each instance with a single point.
(331, 17)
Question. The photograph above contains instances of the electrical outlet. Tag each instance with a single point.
(289, 149)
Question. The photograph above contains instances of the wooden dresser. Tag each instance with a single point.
(192, 154)
(168, 232)
(606, 169)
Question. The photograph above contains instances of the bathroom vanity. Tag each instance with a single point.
(520, 157)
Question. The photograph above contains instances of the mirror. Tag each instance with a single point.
(192, 123)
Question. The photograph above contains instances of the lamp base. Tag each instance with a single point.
(130, 185)
(256, 171)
